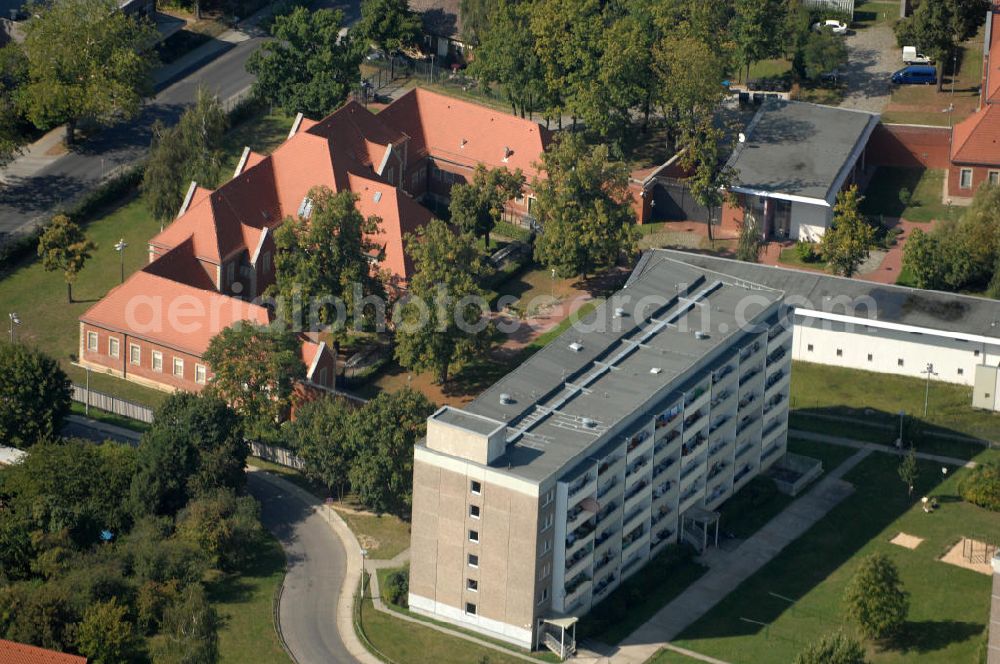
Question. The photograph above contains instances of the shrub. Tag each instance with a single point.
(833, 649)
(397, 587)
(981, 486)
(905, 197)
(806, 251)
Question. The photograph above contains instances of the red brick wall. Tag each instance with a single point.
(732, 217)
(979, 175)
(142, 372)
(909, 146)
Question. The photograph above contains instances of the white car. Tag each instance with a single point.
(833, 25)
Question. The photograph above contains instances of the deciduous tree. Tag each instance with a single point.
(36, 396)
(226, 527)
(846, 244)
(584, 207)
(822, 53)
(105, 635)
(391, 25)
(256, 368)
(308, 67)
(189, 632)
(939, 27)
(320, 434)
(194, 447)
(384, 433)
(324, 258)
(478, 206)
(748, 248)
(189, 151)
(908, 470)
(64, 248)
(876, 599)
(757, 29)
(86, 60)
(443, 322)
(13, 73)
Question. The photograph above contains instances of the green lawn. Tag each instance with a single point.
(926, 188)
(948, 605)
(869, 13)
(109, 418)
(831, 455)
(245, 603)
(876, 397)
(402, 641)
(39, 297)
(790, 256)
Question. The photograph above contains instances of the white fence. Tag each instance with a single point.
(846, 6)
(111, 404)
(275, 454)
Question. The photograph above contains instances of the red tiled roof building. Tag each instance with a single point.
(217, 256)
(12, 652)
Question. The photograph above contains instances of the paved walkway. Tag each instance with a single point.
(728, 569)
(875, 447)
(871, 57)
(85, 427)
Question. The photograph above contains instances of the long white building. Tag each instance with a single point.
(877, 327)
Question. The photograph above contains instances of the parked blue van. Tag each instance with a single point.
(915, 74)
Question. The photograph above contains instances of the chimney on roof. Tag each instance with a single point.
(507, 152)
(464, 141)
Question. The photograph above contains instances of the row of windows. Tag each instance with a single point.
(965, 178)
(871, 358)
(156, 361)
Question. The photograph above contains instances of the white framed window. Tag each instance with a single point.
(134, 354)
(157, 361)
(547, 522)
(899, 362)
(545, 595)
(200, 374)
(472, 585)
(549, 497)
(870, 357)
(474, 536)
(809, 347)
(178, 367)
(470, 608)
(961, 372)
(92, 341)
(473, 560)
(476, 487)
(474, 511)
(840, 352)
(113, 347)
(994, 177)
(965, 178)
(546, 546)
(544, 572)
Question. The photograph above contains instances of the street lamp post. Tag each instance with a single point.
(927, 387)
(120, 248)
(14, 320)
(364, 554)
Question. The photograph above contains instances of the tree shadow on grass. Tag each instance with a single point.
(932, 635)
(236, 587)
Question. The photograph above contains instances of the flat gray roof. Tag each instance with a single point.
(934, 310)
(800, 149)
(465, 420)
(561, 402)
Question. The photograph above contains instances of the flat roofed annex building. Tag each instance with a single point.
(538, 498)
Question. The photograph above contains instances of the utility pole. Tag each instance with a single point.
(927, 387)
(120, 248)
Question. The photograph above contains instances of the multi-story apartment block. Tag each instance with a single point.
(537, 499)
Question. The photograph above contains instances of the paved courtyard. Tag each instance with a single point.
(871, 57)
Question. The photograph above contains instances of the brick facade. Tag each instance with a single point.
(909, 146)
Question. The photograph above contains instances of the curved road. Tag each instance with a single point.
(316, 570)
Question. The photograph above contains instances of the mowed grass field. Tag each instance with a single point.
(39, 297)
(799, 594)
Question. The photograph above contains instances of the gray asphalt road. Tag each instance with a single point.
(316, 569)
(66, 179)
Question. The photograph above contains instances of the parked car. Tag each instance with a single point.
(915, 75)
(912, 57)
(831, 24)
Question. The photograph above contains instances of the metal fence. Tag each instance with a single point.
(112, 404)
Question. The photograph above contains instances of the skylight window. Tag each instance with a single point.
(378, 196)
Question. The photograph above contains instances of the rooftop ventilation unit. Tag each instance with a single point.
(506, 399)
(589, 423)
(655, 370)
(619, 312)
(701, 335)
(576, 346)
